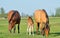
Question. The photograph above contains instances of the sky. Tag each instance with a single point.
(29, 6)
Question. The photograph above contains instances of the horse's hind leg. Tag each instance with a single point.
(37, 28)
(14, 28)
(18, 28)
(32, 30)
(41, 27)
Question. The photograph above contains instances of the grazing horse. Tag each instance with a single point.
(13, 19)
(42, 21)
(30, 26)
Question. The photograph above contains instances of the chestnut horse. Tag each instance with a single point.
(42, 21)
(13, 19)
(30, 26)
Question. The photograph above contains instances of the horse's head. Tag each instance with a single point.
(45, 29)
(11, 25)
(47, 26)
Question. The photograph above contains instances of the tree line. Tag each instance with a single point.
(4, 14)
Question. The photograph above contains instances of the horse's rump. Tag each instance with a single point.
(40, 16)
(13, 15)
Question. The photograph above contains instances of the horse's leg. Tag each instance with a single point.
(18, 28)
(41, 27)
(28, 29)
(14, 28)
(32, 30)
(37, 28)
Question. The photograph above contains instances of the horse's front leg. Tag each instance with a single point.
(14, 28)
(18, 28)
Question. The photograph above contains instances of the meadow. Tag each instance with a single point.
(54, 29)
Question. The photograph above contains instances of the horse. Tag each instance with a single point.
(42, 20)
(13, 19)
(30, 26)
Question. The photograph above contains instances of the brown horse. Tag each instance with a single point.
(30, 25)
(42, 21)
(13, 19)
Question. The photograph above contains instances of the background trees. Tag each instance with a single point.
(57, 12)
(2, 13)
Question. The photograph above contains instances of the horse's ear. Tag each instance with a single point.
(43, 9)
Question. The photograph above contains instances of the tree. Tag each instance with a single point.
(2, 14)
(22, 14)
(57, 12)
(2, 11)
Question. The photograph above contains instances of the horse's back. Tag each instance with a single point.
(40, 16)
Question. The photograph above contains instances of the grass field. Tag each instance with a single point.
(54, 29)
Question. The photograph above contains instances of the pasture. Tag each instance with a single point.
(54, 29)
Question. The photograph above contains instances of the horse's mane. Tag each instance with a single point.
(31, 19)
(46, 15)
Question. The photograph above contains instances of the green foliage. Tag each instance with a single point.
(2, 13)
(57, 12)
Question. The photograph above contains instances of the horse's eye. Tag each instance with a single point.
(10, 22)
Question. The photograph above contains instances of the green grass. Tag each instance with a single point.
(54, 29)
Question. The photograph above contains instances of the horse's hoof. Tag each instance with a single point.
(33, 34)
(29, 34)
(18, 32)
